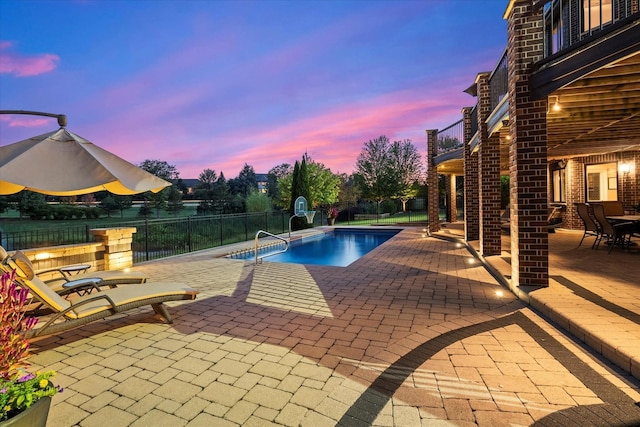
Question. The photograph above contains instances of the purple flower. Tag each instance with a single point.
(27, 377)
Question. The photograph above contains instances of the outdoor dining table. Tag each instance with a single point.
(635, 219)
(623, 218)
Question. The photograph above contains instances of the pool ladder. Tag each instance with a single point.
(256, 248)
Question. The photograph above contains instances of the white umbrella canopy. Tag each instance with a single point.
(61, 163)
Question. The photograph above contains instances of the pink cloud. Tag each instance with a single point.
(24, 122)
(24, 66)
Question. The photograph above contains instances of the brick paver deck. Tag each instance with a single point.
(417, 332)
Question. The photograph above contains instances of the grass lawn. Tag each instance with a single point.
(10, 221)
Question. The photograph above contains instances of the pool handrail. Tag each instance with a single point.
(255, 247)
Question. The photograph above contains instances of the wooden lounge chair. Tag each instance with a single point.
(68, 314)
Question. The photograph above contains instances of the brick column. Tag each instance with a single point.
(488, 173)
(471, 186)
(448, 197)
(527, 149)
(453, 202)
(433, 208)
(118, 253)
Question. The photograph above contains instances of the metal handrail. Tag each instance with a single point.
(255, 247)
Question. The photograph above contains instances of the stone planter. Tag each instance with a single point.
(34, 416)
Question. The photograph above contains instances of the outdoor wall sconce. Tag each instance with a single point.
(556, 105)
(625, 168)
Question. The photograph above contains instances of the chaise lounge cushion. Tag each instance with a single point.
(25, 268)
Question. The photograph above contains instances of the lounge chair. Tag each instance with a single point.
(110, 278)
(68, 314)
(554, 220)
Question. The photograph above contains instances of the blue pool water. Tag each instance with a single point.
(338, 248)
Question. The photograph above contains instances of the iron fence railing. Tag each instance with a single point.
(159, 238)
(45, 237)
(451, 138)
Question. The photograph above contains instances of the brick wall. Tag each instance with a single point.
(111, 251)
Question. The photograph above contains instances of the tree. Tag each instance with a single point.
(33, 205)
(174, 200)
(245, 182)
(207, 179)
(273, 177)
(109, 205)
(221, 195)
(294, 187)
(163, 170)
(258, 202)
(374, 170)
(349, 192)
(324, 185)
(304, 189)
(4, 204)
(407, 164)
(205, 190)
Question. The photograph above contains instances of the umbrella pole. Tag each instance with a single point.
(62, 119)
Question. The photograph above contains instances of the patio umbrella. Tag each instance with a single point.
(61, 163)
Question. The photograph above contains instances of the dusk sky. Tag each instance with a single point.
(217, 84)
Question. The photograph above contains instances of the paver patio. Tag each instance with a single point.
(417, 332)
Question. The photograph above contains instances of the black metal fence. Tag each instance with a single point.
(159, 238)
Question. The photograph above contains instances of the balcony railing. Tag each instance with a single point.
(567, 22)
(499, 81)
(451, 138)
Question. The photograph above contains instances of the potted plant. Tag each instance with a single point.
(332, 214)
(24, 396)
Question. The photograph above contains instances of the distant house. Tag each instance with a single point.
(190, 185)
(262, 182)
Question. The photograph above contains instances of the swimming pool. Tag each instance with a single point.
(337, 248)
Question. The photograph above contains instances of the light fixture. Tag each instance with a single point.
(556, 105)
(625, 168)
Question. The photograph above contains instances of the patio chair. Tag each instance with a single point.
(68, 314)
(590, 226)
(616, 234)
(110, 278)
(554, 219)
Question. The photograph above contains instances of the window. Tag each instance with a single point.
(559, 185)
(601, 182)
(595, 14)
